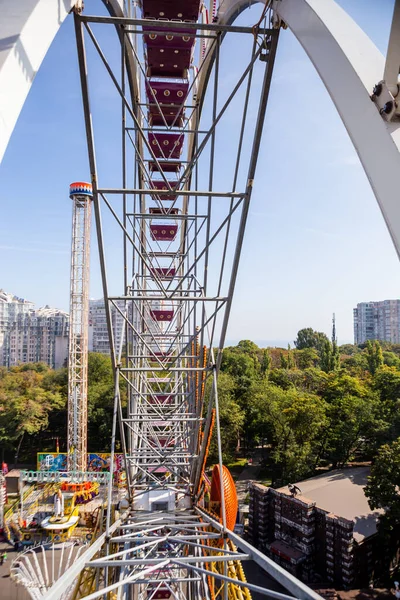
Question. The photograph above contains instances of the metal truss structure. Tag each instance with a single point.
(180, 224)
(81, 195)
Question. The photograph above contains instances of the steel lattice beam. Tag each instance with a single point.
(78, 329)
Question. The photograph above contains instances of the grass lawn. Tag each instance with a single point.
(237, 466)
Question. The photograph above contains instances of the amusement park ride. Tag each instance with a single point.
(179, 215)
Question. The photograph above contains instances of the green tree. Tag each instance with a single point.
(266, 361)
(374, 356)
(339, 384)
(383, 486)
(329, 356)
(100, 401)
(308, 338)
(290, 358)
(248, 347)
(391, 360)
(382, 492)
(292, 421)
(355, 364)
(349, 349)
(387, 383)
(231, 419)
(284, 361)
(286, 378)
(306, 358)
(315, 381)
(354, 424)
(24, 405)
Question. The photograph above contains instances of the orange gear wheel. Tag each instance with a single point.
(230, 495)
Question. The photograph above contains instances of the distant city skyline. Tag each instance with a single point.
(315, 244)
(98, 336)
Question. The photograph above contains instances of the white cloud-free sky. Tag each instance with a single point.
(315, 243)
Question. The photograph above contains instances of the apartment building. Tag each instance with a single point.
(325, 533)
(39, 336)
(98, 332)
(10, 307)
(28, 334)
(377, 321)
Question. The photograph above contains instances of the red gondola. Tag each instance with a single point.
(169, 52)
(166, 145)
(163, 272)
(164, 166)
(160, 185)
(166, 102)
(187, 10)
(155, 210)
(163, 357)
(166, 442)
(162, 315)
(160, 399)
(163, 233)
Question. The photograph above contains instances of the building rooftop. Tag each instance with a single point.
(8, 298)
(47, 311)
(341, 492)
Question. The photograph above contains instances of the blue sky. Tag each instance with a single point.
(315, 243)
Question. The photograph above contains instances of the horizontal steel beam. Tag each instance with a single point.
(163, 370)
(101, 562)
(165, 216)
(174, 25)
(177, 192)
(149, 298)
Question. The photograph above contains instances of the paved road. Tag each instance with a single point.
(8, 589)
(256, 575)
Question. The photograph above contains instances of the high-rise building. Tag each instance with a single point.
(377, 321)
(10, 308)
(31, 335)
(98, 332)
(40, 336)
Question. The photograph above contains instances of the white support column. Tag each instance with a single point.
(81, 194)
(392, 65)
(27, 30)
(350, 65)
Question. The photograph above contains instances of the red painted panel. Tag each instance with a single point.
(160, 185)
(168, 62)
(163, 211)
(171, 96)
(187, 10)
(161, 399)
(162, 315)
(163, 272)
(166, 145)
(163, 233)
(166, 167)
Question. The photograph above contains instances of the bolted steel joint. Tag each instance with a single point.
(384, 101)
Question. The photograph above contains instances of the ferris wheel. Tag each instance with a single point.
(190, 143)
(190, 92)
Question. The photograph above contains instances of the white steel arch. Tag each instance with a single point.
(27, 30)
